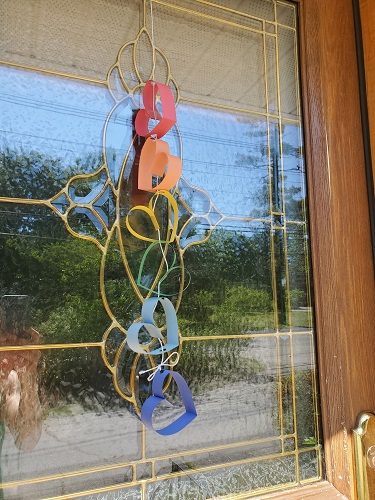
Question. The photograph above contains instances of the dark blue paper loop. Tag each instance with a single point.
(152, 402)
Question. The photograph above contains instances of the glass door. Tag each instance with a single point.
(77, 265)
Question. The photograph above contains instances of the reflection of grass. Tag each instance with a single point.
(301, 317)
(305, 410)
(228, 324)
(64, 410)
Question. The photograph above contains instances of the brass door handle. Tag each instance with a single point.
(364, 446)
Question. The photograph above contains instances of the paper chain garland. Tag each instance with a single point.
(155, 160)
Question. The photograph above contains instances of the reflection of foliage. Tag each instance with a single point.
(34, 175)
(243, 310)
(304, 390)
(230, 290)
(297, 298)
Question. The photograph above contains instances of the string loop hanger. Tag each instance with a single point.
(170, 361)
(152, 43)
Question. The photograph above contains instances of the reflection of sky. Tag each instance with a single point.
(224, 154)
(54, 116)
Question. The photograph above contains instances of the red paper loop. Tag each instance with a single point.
(168, 117)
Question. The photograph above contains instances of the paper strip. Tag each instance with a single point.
(154, 160)
(149, 210)
(147, 321)
(167, 119)
(153, 401)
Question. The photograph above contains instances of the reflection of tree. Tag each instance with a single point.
(280, 195)
(231, 287)
(230, 290)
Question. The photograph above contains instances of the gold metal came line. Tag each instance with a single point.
(183, 339)
(246, 335)
(96, 470)
(186, 473)
(237, 110)
(53, 72)
(49, 346)
(207, 16)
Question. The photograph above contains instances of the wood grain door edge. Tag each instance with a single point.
(342, 264)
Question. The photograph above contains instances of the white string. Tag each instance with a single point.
(161, 248)
(164, 363)
(152, 42)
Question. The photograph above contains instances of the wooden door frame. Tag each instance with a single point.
(343, 267)
(341, 247)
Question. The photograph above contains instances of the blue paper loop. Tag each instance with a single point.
(147, 322)
(153, 401)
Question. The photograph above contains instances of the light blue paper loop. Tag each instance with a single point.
(147, 322)
(133, 339)
(153, 401)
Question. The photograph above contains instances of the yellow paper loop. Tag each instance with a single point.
(149, 210)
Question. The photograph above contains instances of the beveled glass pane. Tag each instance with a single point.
(281, 290)
(234, 293)
(272, 84)
(304, 380)
(286, 387)
(294, 172)
(276, 168)
(299, 281)
(288, 73)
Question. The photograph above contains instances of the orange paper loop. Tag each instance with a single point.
(168, 117)
(154, 160)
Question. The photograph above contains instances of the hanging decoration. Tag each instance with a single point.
(94, 207)
(155, 160)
